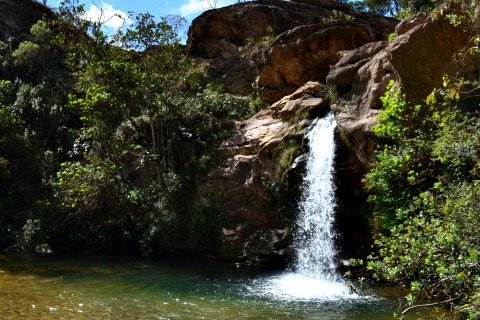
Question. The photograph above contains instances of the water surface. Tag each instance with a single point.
(48, 287)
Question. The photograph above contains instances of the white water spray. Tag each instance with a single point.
(314, 276)
(314, 235)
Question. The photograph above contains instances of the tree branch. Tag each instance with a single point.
(428, 305)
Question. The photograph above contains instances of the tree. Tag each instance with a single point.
(395, 7)
(424, 190)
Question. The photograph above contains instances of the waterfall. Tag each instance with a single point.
(314, 276)
(314, 235)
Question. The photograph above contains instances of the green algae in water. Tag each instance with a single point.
(49, 287)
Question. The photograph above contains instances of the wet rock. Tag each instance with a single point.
(262, 153)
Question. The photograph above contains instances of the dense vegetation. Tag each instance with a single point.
(102, 138)
(425, 190)
(396, 8)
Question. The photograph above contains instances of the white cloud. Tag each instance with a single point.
(108, 15)
(198, 6)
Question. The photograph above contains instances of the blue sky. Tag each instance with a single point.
(111, 9)
(189, 9)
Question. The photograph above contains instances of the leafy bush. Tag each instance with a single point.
(425, 191)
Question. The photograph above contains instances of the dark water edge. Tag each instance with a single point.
(115, 287)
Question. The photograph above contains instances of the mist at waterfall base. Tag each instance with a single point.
(313, 276)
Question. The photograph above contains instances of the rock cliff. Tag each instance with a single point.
(262, 162)
(417, 59)
(348, 56)
(307, 58)
(283, 43)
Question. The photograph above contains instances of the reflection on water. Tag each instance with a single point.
(96, 288)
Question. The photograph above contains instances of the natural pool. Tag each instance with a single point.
(49, 287)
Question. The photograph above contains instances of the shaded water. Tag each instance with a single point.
(33, 287)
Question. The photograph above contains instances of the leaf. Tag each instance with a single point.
(431, 99)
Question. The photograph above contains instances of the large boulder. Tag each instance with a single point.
(417, 59)
(433, 45)
(234, 42)
(17, 16)
(331, 4)
(227, 39)
(240, 23)
(307, 52)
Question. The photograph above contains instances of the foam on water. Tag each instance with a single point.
(298, 287)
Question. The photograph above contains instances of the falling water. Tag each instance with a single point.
(314, 236)
(314, 276)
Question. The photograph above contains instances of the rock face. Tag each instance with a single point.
(261, 153)
(219, 36)
(235, 42)
(307, 52)
(266, 151)
(417, 59)
(17, 16)
(434, 43)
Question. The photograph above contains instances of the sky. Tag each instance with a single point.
(112, 9)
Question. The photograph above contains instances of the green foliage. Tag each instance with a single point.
(336, 15)
(436, 253)
(288, 153)
(398, 8)
(18, 174)
(26, 52)
(474, 50)
(391, 36)
(206, 228)
(424, 188)
(104, 210)
(31, 235)
(147, 33)
(108, 138)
